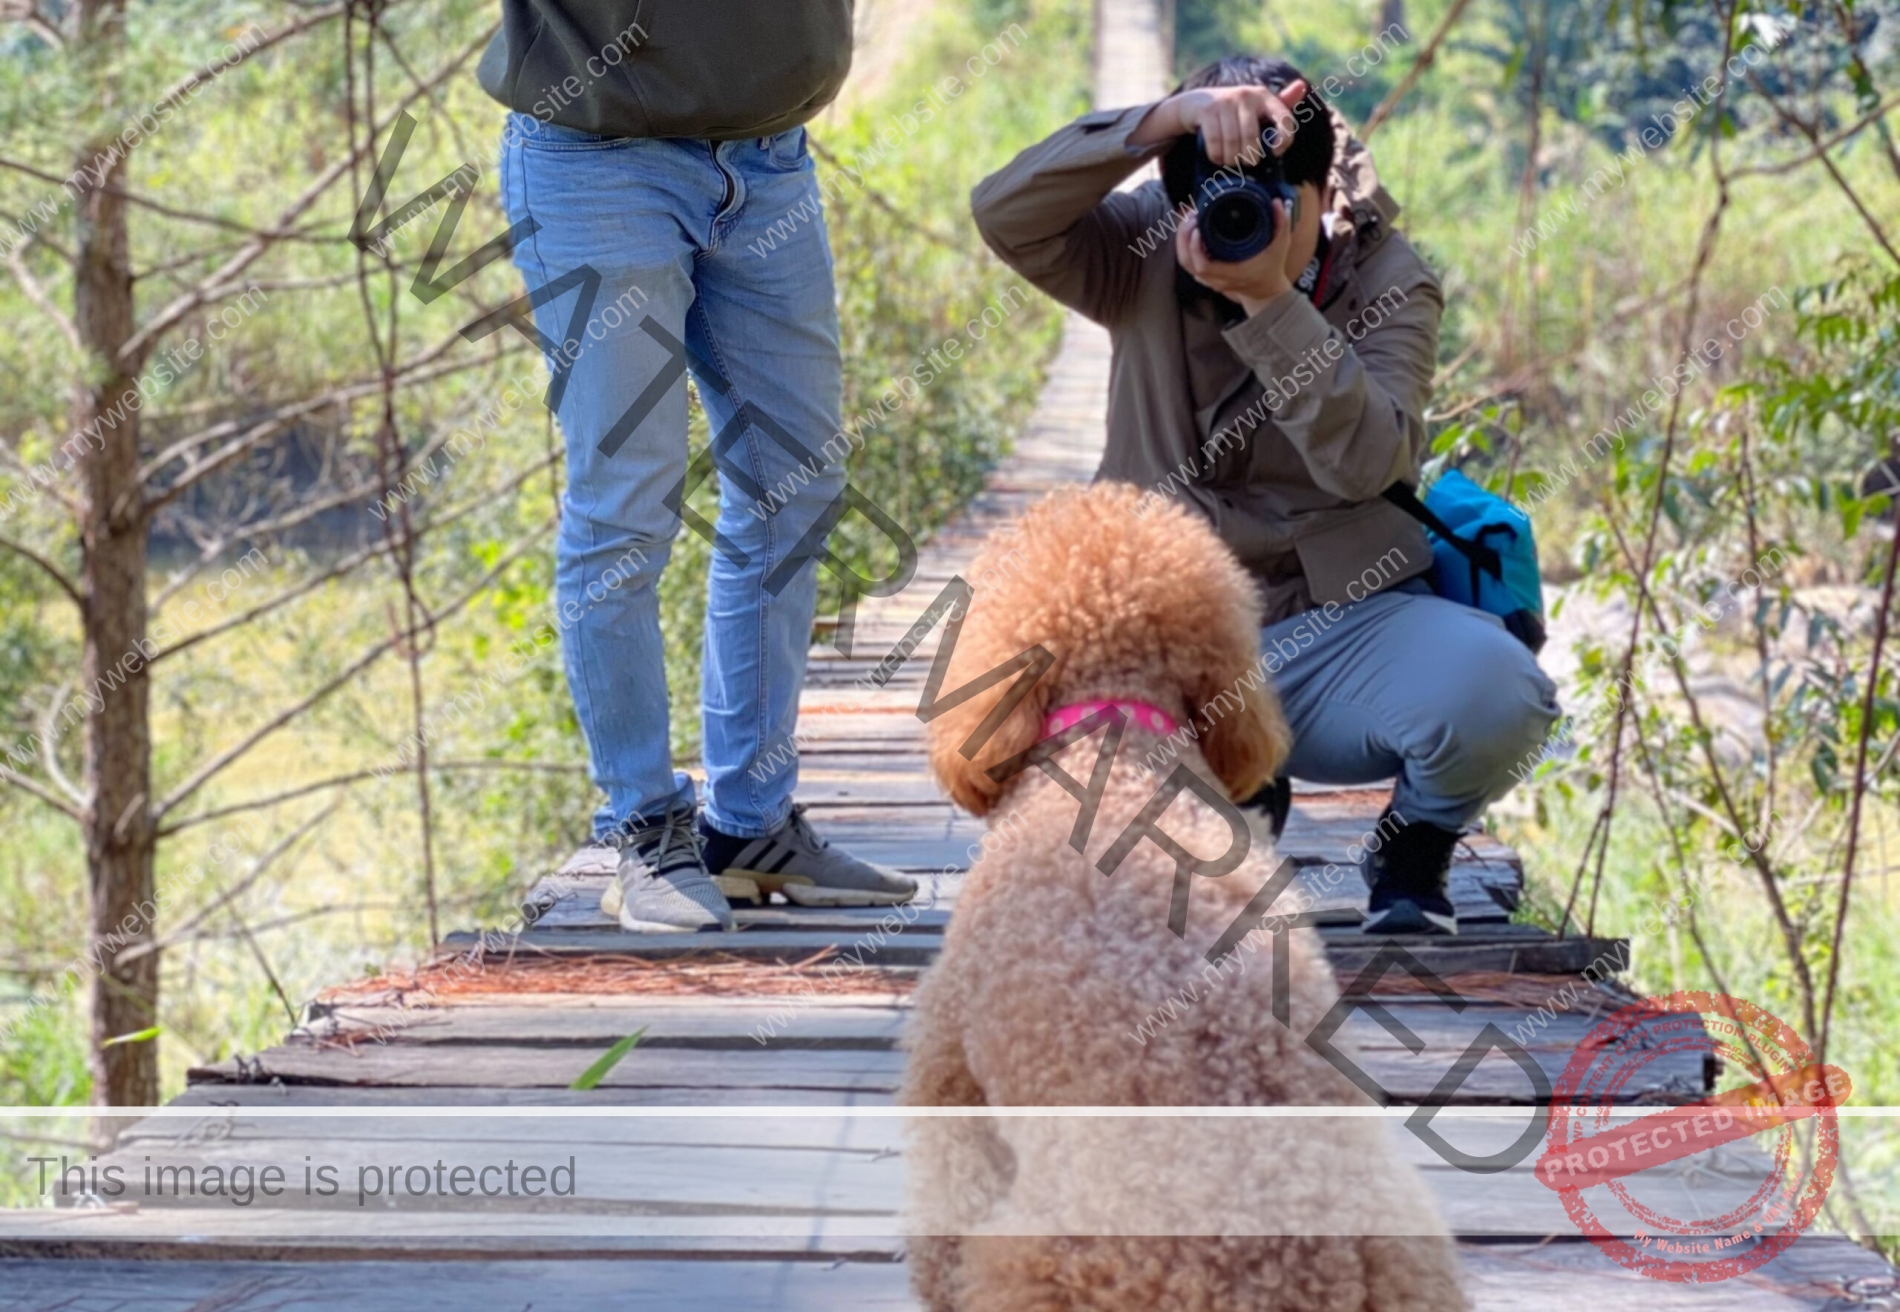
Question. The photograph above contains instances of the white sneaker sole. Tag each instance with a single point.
(613, 904)
(753, 885)
(1436, 924)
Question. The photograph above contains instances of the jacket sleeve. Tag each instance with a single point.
(1353, 403)
(1053, 214)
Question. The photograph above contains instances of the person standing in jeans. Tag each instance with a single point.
(653, 142)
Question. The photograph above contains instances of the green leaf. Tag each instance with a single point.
(1516, 63)
(137, 1036)
(1850, 516)
(594, 1074)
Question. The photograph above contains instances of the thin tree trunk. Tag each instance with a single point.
(118, 754)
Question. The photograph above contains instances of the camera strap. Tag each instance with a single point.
(1481, 555)
(1313, 278)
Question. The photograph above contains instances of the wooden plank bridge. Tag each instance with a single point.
(472, 1060)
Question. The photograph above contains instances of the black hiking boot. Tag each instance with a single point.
(1407, 874)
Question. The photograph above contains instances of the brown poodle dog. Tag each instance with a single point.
(1051, 968)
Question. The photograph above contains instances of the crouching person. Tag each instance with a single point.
(1274, 377)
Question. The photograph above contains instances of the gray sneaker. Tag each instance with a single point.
(662, 886)
(798, 863)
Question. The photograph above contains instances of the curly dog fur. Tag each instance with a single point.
(1049, 968)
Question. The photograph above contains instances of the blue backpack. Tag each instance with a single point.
(1483, 553)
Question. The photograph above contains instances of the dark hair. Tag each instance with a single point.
(1310, 156)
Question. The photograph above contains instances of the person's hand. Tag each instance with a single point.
(1229, 120)
(1254, 281)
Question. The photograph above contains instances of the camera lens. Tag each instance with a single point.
(1235, 220)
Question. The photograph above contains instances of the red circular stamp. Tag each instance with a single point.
(1629, 1177)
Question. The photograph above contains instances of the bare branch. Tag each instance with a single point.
(1821, 147)
(46, 485)
(1426, 58)
(227, 895)
(418, 370)
(192, 82)
(1718, 778)
(189, 87)
(357, 776)
(293, 918)
(890, 206)
(169, 211)
(1859, 796)
(295, 284)
(48, 756)
(27, 14)
(1813, 135)
(311, 509)
(38, 237)
(40, 791)
(225, 758)
(248, 253)
(1598, 843)
(350, 562)
(270, 800)
(41, 301)
(66, 585)
(311, 233)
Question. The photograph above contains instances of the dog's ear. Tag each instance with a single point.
(966, 778)
(1243, 734)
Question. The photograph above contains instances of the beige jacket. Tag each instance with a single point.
(1283, 428)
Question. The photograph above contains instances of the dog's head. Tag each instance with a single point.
(1132, 596)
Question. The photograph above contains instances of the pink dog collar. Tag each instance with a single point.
(1144, 714)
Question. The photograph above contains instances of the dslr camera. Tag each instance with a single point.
(1233, 204)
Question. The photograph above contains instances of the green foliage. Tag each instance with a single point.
(1748, 695)
(515, 795)
(1207, 30)
(43, 1061)
(1566, 277)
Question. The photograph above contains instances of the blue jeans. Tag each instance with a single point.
(1406, 683)
(711, 256)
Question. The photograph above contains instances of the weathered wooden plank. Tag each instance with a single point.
(741, 1194)
(1402, 1076)
(726, 1189)
(686, 1071)
(817, 1021)
(599, 862)
(216, 1096)
(778, 945)
(896, 805)
(1451, 956)
(308, 1235)
(1518, 951)
(1480, 893)
(663, 1286)
(573, 902)
(896, 726)
(1316, 833)
(715, 1181)
(1816, 1273)
(821, 788)
(789, 1022)
(769, 1130)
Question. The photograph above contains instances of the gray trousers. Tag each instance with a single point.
(1407, 684)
